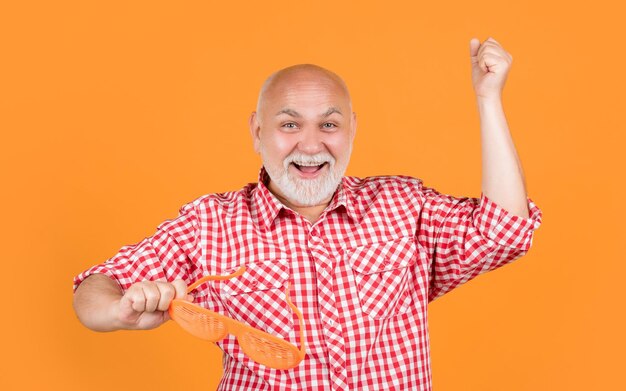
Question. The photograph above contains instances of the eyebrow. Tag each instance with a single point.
(294, 113)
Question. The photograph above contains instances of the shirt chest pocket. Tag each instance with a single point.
(257, 297)
(382, 272)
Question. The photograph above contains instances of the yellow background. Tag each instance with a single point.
(114, 114)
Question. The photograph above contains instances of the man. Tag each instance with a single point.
(362, 257)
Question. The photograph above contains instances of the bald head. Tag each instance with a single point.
(284, 79)
(304, 119)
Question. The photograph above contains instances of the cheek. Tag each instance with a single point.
(339, 147)
(279, 144)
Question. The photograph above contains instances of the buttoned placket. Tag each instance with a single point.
(324, 265)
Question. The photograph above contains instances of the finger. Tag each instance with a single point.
(152, 295)
(481, 50)
(493, 47)
(167, 293)
(181, 288)
(126, 305)
(494, 59)
(137, 298)
(482, 63)
(488, 56)
(493, 40)
(495, 63)
(496, 52)
(487, 46)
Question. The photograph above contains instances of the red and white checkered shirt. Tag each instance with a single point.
(362, 274)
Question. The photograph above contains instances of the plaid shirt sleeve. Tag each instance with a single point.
(166, 255)
(466, 237)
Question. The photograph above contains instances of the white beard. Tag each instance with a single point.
(306, 192)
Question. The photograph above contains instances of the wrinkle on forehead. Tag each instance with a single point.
(300, 72)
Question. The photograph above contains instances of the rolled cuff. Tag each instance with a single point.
(505, 228)
(97, 269)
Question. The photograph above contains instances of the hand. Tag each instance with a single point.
(144, 305)
(490, 66)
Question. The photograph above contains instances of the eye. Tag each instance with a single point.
(289, 125)
(329, 125)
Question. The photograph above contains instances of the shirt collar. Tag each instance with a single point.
(268, 206)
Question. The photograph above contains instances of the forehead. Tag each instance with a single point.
(312, 90)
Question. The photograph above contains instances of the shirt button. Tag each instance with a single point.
(254, 283)
(338, 370)
(331, 322)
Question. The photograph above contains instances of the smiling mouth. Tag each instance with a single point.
(309, 169)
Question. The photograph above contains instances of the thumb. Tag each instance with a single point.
(474, 46)
(125, 311)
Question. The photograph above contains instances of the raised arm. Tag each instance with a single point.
(466, 237)
(502, 176)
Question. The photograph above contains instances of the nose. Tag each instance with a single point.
(311, 141)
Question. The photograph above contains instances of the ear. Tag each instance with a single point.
(353, 127)
(255, 129)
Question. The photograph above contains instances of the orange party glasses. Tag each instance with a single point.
(260, 346)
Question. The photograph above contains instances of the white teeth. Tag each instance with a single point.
(308, 164)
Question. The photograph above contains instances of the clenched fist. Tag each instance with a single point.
(144, 305)
(490, 67)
